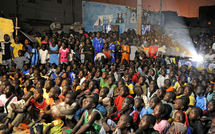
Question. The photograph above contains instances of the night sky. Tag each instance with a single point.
(187, 8)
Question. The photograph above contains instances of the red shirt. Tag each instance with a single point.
(118, 101)
(135, 78)
(38, 106)
(153, 50)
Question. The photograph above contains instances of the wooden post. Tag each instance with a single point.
(16, 26)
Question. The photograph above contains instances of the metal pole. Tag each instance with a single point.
(139, 16)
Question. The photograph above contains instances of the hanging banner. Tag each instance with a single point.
(101, 20)
(96, 24)
(110, 19)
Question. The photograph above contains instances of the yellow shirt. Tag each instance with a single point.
(16, 48)
(177, 85)
(130, 86)
(191, 98)
(45, 95)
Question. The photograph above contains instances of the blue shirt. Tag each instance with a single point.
(29, 48)
(149, 110)
(101, 109)
(209, 96)
(71, 77)
(97, 44)
(142, 113)
(25, 72)
(112, 48)
(201, 102)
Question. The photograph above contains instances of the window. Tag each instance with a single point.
(59, 1)
(32, 1)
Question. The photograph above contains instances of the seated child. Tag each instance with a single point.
(127, 108)
(112, 87)
(47, 87)
(161, 113)
(180, 92)
(138, 91)
(160, 93)
(181, 82)
(195, 122)
(75, 84)
(103, 99)
(146, 125)
(139, 106)
(169, 99)
(152, 103)
(210, 111)
(210, 92)
(18, 91)
(91, 122)
(124, 92)
(28, 86)
(84, 87)
(142, 84)
(104, 80)
(15, 108)
(58, 81)
(65, 90)
(168, 85)
(177, 127)
(129, 83)
(188, 92)
(93, 88)
(124, 125)
(201, 100)
(152, 90)
(40, 84)
(120, 83)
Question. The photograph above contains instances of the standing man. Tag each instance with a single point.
(16, 47)
(7, 51)
(98, 43)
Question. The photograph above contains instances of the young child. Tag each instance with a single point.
(169, 99)
(81, 77)
(64, 54)
(168, 86)
(75, 84)
(104, 80)
(141, 82)
(28, 86)
(104, 100)
(124, 92)
(195, 123)
(43, 54)
(47, 87)
(112, 87)
(161, 112)
(188, 92)
(15, 108)
(161, 92)
(210, 92)
(152, 103)
(124, 125)
(20, 61)
(209, 113)
(152, 91)
(195, 83)
(146, 125)
(91, 119)
(65, 90)
(139, 93)
(181, 82)
(120, 83)
(180, 92)
(201, 100)
(92, 88)
(139, 107)
(58, 81)
(128, 83)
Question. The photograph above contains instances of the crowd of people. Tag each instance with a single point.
(102, 83)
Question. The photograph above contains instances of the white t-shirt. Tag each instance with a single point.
(209, 57)
(3, 101)
(43, 56)
(133, 51)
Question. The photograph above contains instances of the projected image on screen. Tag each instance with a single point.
(145, 28)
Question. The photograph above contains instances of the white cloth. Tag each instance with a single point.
(82, 80)
(133, 51)
(209, 57)
(43, 56)
(160, 80)
(213, 46)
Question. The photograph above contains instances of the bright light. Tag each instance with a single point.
(198, 58)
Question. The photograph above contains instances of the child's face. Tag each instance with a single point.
(213, 122)
(137, 103)
(151, 88)
(119, 84)
(52, 93)
(88, 103)
(47, 85)
(27, 84)
(125, 105)
(68, 69)
(144, 123)
(141, 81)
(75, 82)
(199, 91)
(64, 82)
(84, 86)
(122, 122)
(26, 96)
(195, 83)
(110, 81)
(39, 85)
(91, 85)
(187, 91)
(16, 76)
(157, 111)
(7, 91)
(193, 114)
(211, 107)
(80, 75)
(104, 75)
(123, 92)
(37, 95)
(179, 117)
(138, 91)
(65, 90)
(167, 97)
(160, 93)
(152, 103)
(152, 72)
(58, 81)
(210, 88)
(180, 91)
(102, 93)
(177, 104)
(127, 78)
(64, 76)
(30, 70)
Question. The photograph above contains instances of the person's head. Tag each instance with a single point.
(104, 75)
(210, 88)
(15, 83)
(54, 92)
(27, 95)
(147, 122)
(104, 92)
(38, 94)
(58, 80)
(172, 74)
(181, 103)
(76, 81)
(131, 71)
(84, 85)
(169, 96)
(40, 84)
(90, 102)
(200, 90)
(111, 80)
(81, 74)
(43, 47)
(70, 98)
(160, 93)
(138, 90)
(153, 102)
(125, 121)
(177, 127)
(25, 67)
(97, 34)
(180, 91)
(17, 39)
(65, 82)
(59, 69)
(195, 114)
(163, 71)
(205, 82)
(179, 117)
(5, 77)
(127, 104)
(141, 80)
(161, 111)
(20, 53)
(49, 84)
(6, 38)
(28, 83)
(182, 78)
(211, 106)
(9, 90)
(152, 72)
(124, 91)
(152, 87)
(195, 82)
(138, 103)
(167, 83)
(65, 90)
(120, 83)
(92, 85)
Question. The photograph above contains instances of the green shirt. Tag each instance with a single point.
(102, 83)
